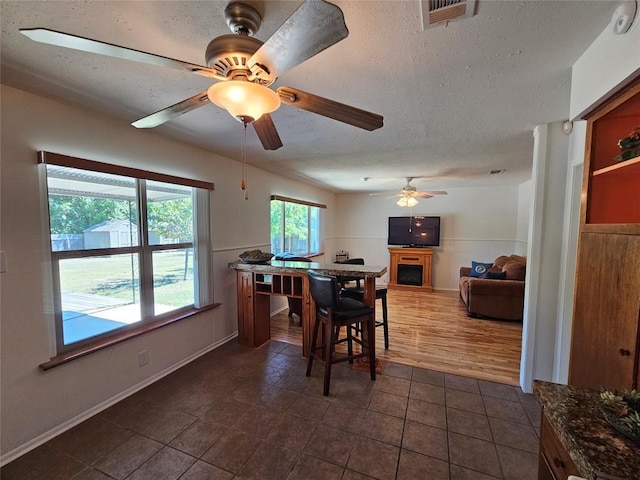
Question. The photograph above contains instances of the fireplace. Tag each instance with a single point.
(410, 269)
(409, 275)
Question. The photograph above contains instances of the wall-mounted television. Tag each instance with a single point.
(414, 231)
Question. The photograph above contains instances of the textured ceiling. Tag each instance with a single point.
(457, 100)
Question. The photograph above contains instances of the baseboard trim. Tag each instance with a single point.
(278, 310)
(63, 427)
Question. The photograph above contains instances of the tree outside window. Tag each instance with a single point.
(122, 249)
(295, 227)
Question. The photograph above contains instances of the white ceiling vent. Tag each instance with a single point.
(435, 12)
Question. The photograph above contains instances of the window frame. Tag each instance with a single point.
(310, 240)
(200, 245)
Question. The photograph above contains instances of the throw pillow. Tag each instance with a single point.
(479, 269)
(514, 270)
(518, 258)
(492, 275)
(500, 261)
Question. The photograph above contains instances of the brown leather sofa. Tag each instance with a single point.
(501, 299)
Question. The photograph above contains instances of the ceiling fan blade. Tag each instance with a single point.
(388, 194)
(172, 112)
(329, 108)
(429, 194)
(66, 40)
(313, 27)
(267, 132)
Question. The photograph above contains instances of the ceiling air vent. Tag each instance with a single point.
(435, 12)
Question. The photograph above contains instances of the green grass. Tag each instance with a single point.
(112, 277)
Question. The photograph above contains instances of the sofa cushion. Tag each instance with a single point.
(493, 275)
(500, 261)
(479, 269)
(514, 270)
(518, 258)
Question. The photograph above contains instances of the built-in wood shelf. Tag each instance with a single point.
(612, 193)
(626, 167)
(605, 337)
(289, 285)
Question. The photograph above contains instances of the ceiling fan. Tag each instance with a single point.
(244, 67)
(409, 194)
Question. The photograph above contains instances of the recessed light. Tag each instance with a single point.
(496, 172)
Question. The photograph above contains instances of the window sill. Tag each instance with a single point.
(120, 337)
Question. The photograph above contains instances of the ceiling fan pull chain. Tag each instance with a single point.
(243, 184)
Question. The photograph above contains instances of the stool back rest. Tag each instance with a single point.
(350, 261)
(323, 290)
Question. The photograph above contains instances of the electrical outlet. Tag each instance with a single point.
(143, 358)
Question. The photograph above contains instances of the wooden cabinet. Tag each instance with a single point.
(410, 269)
(605, 345)
(554, 462)
(254, 305)
(254, 327)
(604, 350)
(245, 308)
(611, 188)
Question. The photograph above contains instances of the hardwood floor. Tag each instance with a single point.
(432, 330)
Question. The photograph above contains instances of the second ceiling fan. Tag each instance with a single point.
(245, 67)
(409, 194)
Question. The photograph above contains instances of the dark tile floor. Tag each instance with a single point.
(253, 414)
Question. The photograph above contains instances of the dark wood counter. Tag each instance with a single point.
(334, 269)
(596, 449)
(256, 282)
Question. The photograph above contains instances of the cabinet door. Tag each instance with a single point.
(245, 309)
(544, 470)
(554, 462)
(604, 350)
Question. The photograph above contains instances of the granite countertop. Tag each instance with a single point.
(596, 448)
(334, 269)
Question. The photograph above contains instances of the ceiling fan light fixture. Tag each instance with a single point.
(246, 101)
(407, 201)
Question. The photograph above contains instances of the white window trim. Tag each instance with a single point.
(201, 246)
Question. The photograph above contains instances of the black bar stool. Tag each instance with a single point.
(333, 312)
(357, 293)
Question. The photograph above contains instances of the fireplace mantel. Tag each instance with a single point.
(405, 262)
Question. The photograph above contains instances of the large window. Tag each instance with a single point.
(128, 247)
(296, 226)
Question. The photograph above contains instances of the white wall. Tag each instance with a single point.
(524, 212)
(37, 404)
(545, 252)
(477, 224)
(610, 60)
(569, 252)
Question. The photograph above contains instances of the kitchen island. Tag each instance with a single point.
(257, 282)
(575, 439)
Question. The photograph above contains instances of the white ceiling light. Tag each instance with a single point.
(244, 100)
(407, 201)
